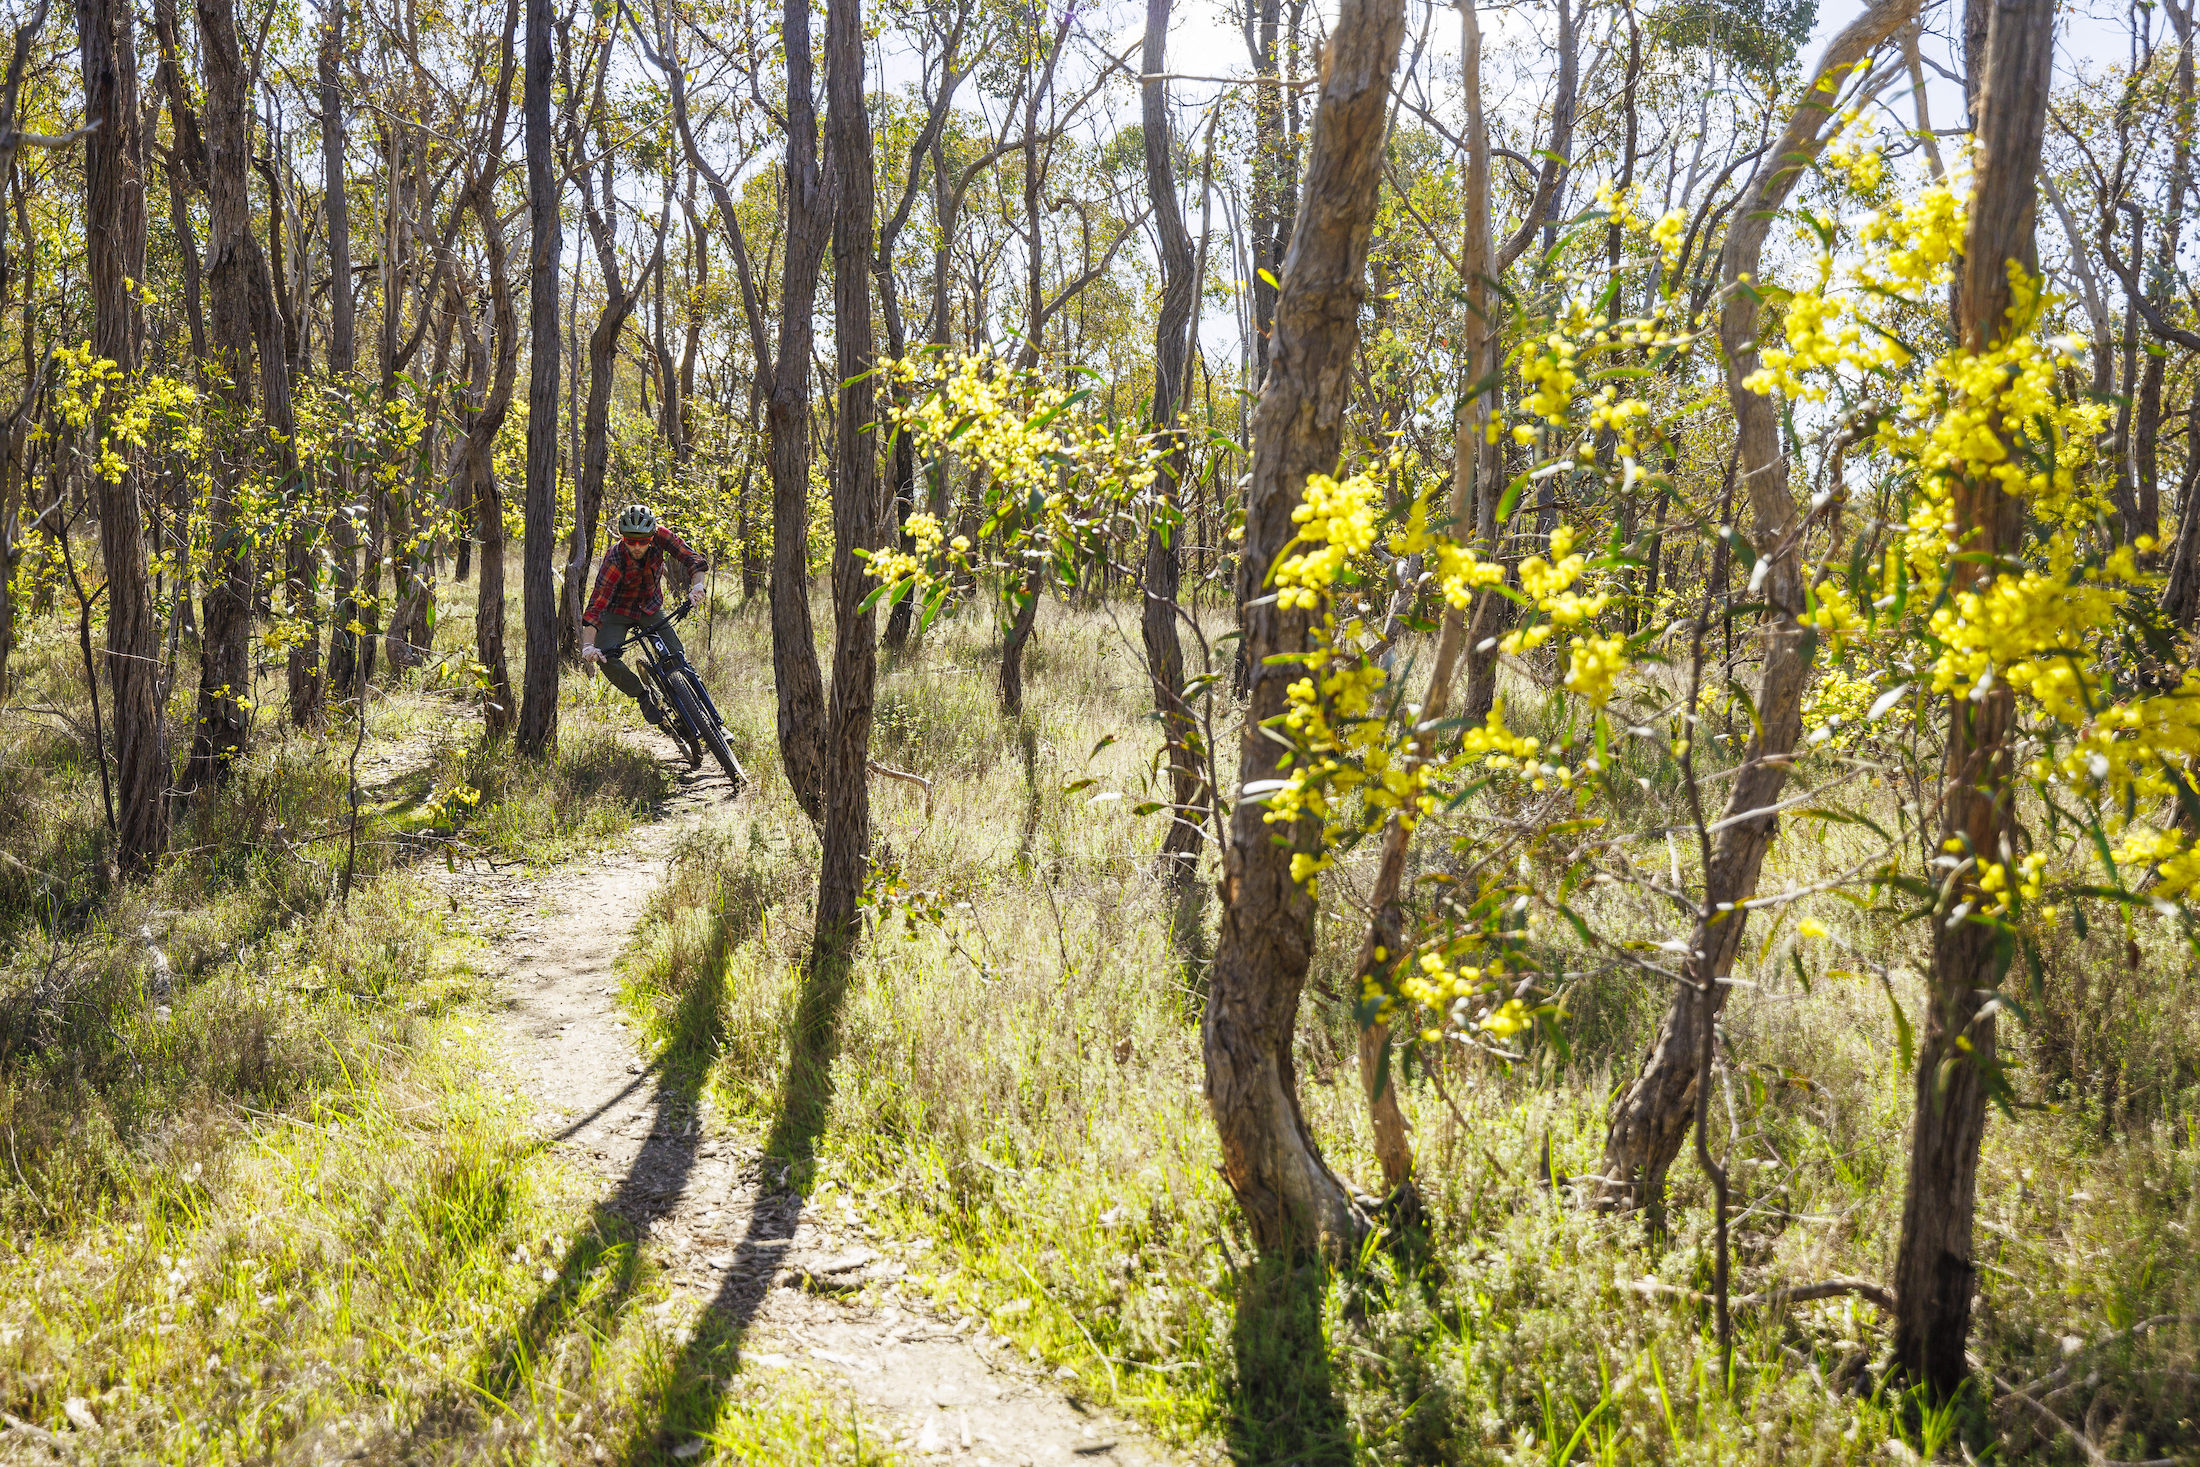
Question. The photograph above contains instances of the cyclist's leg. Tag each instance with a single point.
(671, 635)
(610, 634)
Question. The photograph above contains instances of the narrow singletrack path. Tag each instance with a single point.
(802, 1279)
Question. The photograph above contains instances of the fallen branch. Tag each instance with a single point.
(1863, 1289)
(1775, 1298)
(906, 778)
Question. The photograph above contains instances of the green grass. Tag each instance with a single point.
(266, 1191)
(1016, 1095)
(266, 1194)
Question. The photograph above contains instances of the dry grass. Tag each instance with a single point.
(1018, 1089)
(266, 1196)
(265, 1201)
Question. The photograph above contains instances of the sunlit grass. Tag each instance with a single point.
(1018, 1096)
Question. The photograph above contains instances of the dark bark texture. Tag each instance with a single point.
(114, 220)
(538, 718)
(1934, 1274)
(1164, 565)
(241, 301)
(343, 355)
(1292, 1199)
(800, 683)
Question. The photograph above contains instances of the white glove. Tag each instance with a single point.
(698, 593)
(591, 653)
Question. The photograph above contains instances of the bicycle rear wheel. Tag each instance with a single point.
(708, 730)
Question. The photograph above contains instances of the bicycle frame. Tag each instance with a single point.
(659, 661)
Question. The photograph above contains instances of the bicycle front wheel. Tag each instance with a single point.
(707, 729)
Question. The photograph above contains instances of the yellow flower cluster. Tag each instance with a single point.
(1555, 376)
(2176, 864)
(1852, 153)
(1336, 522)
(1834, 712)
(1444, 990)
(1549, 584)
(1995, 880)
(894, 564)
(1593, 664)
(1833, 612)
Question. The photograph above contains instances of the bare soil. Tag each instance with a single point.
(803, 1281)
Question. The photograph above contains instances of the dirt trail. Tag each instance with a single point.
(800, 1278)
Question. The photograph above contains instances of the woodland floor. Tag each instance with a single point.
(803, 1288)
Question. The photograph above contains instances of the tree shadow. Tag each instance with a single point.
(695, 1381)
(1285, 1409)
(1027, 741)
(602, 1270)
(1189, 900)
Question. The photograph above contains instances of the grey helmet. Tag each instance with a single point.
(636, 519)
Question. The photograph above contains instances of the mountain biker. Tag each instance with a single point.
(629, 594)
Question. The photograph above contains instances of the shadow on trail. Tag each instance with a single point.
(695, 1382)
(603, 1268)
(1285, 1409)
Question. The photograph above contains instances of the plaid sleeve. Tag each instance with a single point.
(679, 550)
(607, 580)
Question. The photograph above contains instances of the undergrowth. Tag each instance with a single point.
(1017, 1095)
(267, 1195)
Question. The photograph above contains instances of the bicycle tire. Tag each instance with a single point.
(713, 736)
(680, 723)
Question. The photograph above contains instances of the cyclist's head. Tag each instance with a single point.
(637, 523)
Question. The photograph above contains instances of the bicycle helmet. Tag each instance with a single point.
(636, 519)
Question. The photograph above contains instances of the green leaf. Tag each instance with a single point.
(1902, 1035)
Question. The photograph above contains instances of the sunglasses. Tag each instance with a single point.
(638, 541)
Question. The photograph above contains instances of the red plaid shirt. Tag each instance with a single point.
(630, 585)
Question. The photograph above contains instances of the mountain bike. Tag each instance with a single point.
(690, 715)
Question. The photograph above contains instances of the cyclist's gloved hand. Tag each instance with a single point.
(591, 653)
(698, 593)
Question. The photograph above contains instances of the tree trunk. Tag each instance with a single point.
(1271, 184)
(595, 456)
(1651, 1119)
(538, 719)
(2147, 433)
(343, 358)
(1164, 564)
(800, 684)
(1472, 458)
(1934, 1276)
(1025, 594)
(114, 220)
(855, 492)
(240, 297)
(1291, 1198)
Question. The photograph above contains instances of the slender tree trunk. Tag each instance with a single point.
(343, 357)
(855, 493)
(2147, 430)
(237, 282)
(1024, 591)
(1164, 564)
(1651, 1118)
(1386, 931)
(1934, 1275)
(114, 227)
(1291, 1198)
(538, 720)
(800, 684)
(1271, 185)
(595, 457)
